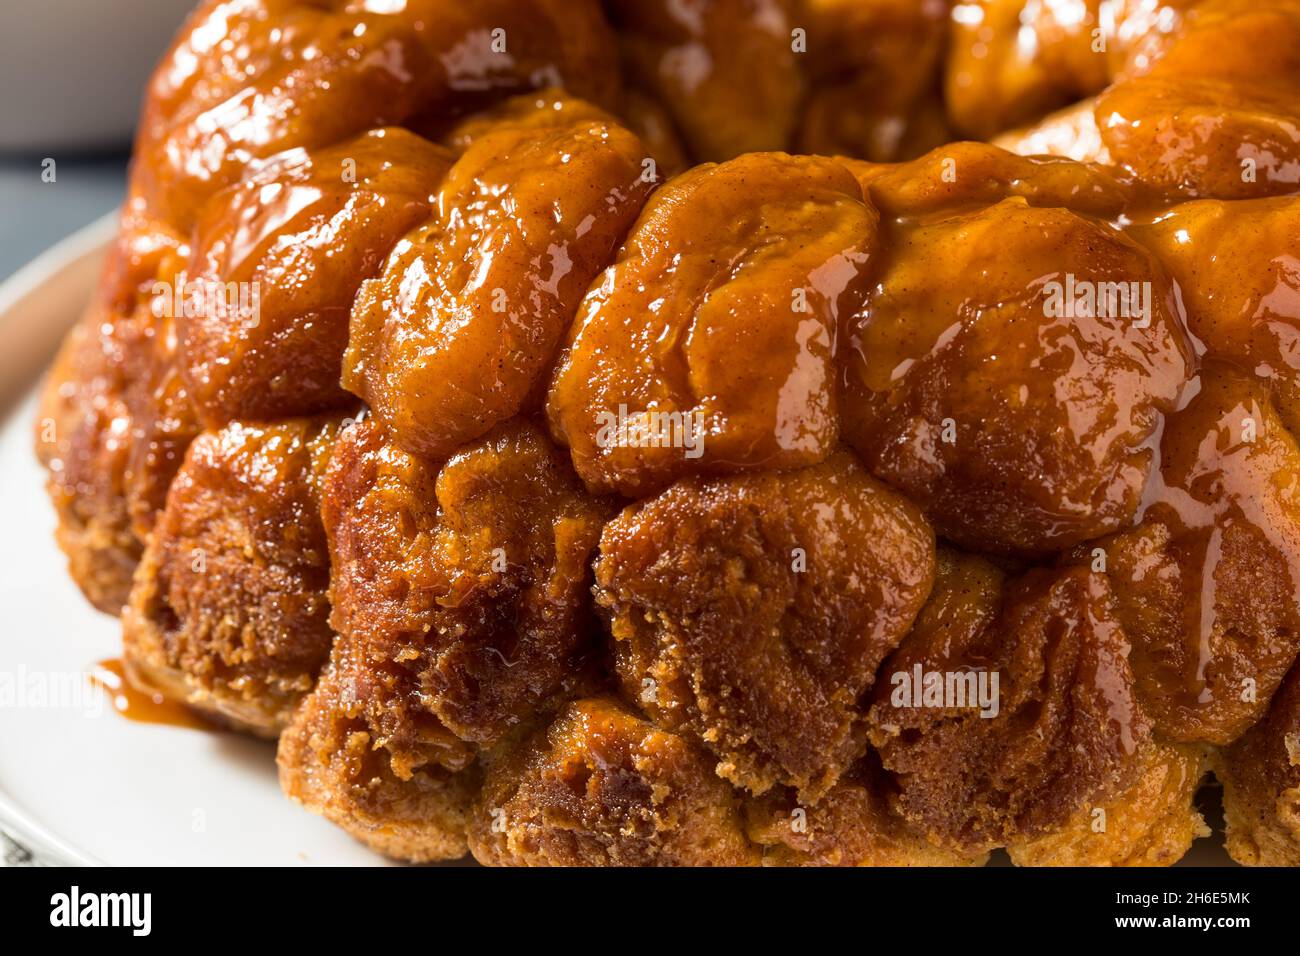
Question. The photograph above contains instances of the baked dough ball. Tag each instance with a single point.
(543, 111)
(873, 68)
(760, 257)
(1238, 291)
(1134, 34)
(461, 598)
(967, 176)
(229, 612)
(725, 70)
(301, 230)
(1070, 133)
(1260, 774)
(115, 417)
(554, 107)
(1140, 31)
(460, 331)
(851, 825)
(138, 335)
(1215, 114)
(1207, 587)
(245, 82)
(646, 116)
(984, 384)
(392, 792)
(793, 374)
(601, 787)
(83, 438)
(977, 765)
(1011, 61)
(1152, 823)
(465, 584)
(751, 613)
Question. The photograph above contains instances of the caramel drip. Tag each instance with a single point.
(139, 705)
(1214, 492)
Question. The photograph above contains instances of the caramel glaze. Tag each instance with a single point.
(1197, 476)
(793, 306)
(143, 706)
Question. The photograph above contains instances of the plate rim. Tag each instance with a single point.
(68, 254)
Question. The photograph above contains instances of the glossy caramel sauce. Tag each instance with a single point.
(142, 706)
(1149, 468)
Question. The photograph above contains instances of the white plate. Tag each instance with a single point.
(78, 783)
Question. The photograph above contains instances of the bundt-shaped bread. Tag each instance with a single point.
(848, 498)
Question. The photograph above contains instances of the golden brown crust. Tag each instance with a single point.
(1206, 586)
(323, 73)
(1260, 774)
(1152, 823)
(229, 610)
(1061, 729)
(468, 582)
(276, 263)
(851, 825)
(716, 347)
(460, 330)
(601, 787)
(762, 256)
(1215, 113)
(83, 439)
(336, 763)
(751, 613)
